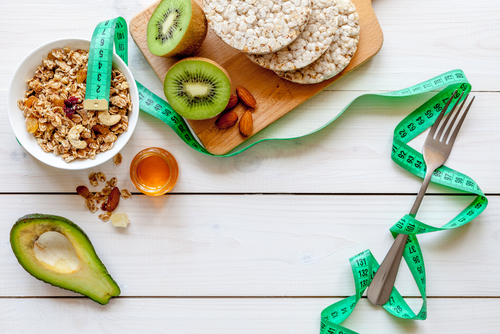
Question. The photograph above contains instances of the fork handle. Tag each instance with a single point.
(382, 283)
(421, 192)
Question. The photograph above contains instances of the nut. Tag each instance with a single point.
(105, 118)
(83, 191)
(113, 200)
(245, 97)
(227, 120)
(246, 124)
(74, 137)
(233, 101)
(103, 130)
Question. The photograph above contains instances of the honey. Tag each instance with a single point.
(154, 171)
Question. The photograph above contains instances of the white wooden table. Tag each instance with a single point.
(260, 242)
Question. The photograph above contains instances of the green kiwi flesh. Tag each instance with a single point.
(176, 28)
(197, 88)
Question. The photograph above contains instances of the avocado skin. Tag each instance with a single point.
(58, 221)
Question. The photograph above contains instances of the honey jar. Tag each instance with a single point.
(154, 171)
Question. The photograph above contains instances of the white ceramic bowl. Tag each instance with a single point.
(18, 87)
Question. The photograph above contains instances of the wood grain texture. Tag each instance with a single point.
(173, 248)
(271, 245)
(229, 316)
(275, 96)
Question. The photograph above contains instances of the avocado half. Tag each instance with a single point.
(55, 250)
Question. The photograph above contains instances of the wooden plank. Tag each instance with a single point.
(352, 155)
(275, 96)
(225, 316)
(209, 245)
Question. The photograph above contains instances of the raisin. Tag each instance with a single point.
(31, 124)
(81, 76)
(58, 103)
(29, 102)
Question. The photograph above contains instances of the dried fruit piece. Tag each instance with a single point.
(113, 200)
(246, 97)
(103, 206)
(227, 120)
(246, 124)
(70, 106)
(31, 124)
(105, 216)
(126, 194)
(81, 76)
(58, 103)
(233, 101)
(93, 179)
(101, 177)
(101, 129)
(119, 220)
(83, 191)
(29, 102)
(117, 159)
(113, 182)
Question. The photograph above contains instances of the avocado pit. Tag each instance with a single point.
(56, 252)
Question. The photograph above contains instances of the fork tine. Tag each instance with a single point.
(438, 120)
(459, 125)
(452, 113)
(455, 117)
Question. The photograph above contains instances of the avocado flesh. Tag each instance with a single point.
(80, 271)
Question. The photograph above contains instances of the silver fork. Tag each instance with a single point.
(436, 150)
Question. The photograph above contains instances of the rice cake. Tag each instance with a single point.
(338, 55)
(310, 45)
(257, 26)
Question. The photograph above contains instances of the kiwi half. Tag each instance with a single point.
(197, 88)
(176, 28)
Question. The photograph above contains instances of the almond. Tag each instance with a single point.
(227, 120)
(113, 200)
(101, 129)
(233, 101)
(245, 97)
(246, 124)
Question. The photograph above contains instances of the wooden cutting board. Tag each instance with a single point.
(275, 96)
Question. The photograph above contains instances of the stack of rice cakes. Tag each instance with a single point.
(304, 41)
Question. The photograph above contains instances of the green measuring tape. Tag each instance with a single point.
(101, 59)
(363, 265)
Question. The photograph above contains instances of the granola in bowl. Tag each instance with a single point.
(53, 111)
(28, 142)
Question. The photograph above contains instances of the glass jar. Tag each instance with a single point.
(154, 171)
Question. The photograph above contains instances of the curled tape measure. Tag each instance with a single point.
(363, 265)
(101, 59)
